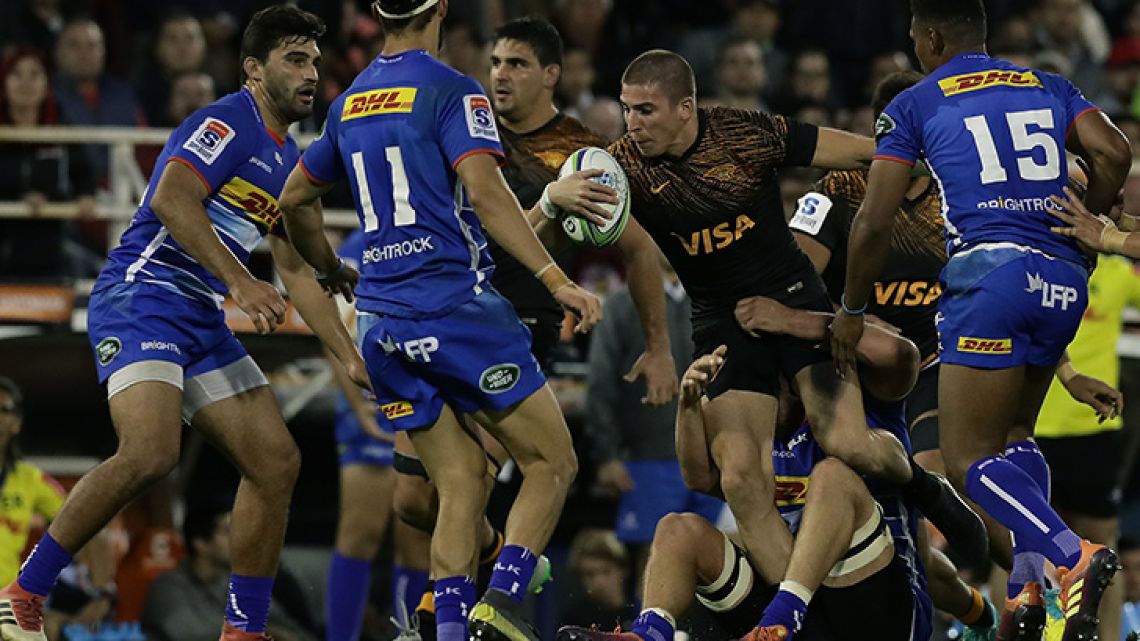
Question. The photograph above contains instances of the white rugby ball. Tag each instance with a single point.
(581, 230)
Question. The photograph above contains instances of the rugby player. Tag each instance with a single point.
(159, 335)
(703, 183)
(420, 147)
(860, 545)
(994, 136)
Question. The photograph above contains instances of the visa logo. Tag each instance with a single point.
(709, 240)
(907, 293)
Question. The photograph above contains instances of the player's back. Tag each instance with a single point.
(994, 135)
(399, 132)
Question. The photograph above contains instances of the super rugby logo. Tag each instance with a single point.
(209, 140)
(480, 118)
(811, 211)
(499, 378)
(982, 80)
(108, 349)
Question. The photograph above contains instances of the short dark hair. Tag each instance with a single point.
(890, 86)
(669, 70)
(200, 524)
(961, 21)
(539, 34)
(274, 25)
(400, 7)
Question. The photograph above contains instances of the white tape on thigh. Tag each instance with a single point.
(870, 539)
(736, 576)
(161, 371)
(219, 384)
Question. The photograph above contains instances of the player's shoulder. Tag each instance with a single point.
(719, 116)
(571, 129)
(234, 109)
(850, 184)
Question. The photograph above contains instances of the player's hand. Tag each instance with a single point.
(699, 374)
(760, 314)
(578, 195)
(1088, 228)
(1105, 400)
(584, 305)
(341, 280)
(358, 372)
(614, 477)
(261, 302)
(660, 374)
(846, 330)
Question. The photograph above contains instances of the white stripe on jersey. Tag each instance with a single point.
(151, 247)
(205, 289)
(1025, 249)
(951, 230)
(472, 246)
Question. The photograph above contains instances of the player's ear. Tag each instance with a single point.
(252, 68)
(937, 42)
(551, 74)
(687, 107)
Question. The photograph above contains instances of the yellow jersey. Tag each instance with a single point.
(1114, 285)
(26, 492)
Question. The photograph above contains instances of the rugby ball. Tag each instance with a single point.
(581, 230)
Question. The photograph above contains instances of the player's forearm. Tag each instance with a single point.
(188, 223)
(646, 287)
(697, 468)
(305, 224)
(1106, 177)
(837, 149)
(319, 311)
(866, 255)
(547, 230)
(361, 406)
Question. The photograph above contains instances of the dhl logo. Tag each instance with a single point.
(397, 410)
(716, 238)
(985, 345)
(253, 200)
(907, 293)
(791, 490)
(983, 79)
(398, 100)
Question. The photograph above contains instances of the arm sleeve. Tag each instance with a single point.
(898, 138)
(466, 122)
(49, 496)
(604, 385)
(1076, 105)
(823, 214)
(321, 161)
(214, 142)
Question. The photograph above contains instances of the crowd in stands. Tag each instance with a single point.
(140, 63)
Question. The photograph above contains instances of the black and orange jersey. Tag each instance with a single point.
(533, 160)
(906, 293)
(716, 210)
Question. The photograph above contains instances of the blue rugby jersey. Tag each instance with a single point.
(994, 136)
(244, 167)
(397, 134)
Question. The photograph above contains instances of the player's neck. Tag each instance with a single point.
(274, 121)
(685, 138)
(411, 41)
(543, 113)
(953, 52)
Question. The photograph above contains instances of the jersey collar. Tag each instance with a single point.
(248, 95)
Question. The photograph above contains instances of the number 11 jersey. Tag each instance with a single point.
(994, 136)
(397, 134)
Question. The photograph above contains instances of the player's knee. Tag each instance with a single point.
(739, 481)
(279, 465)
(560, 465)
(832, 476)
(147, 467)
(679, 530)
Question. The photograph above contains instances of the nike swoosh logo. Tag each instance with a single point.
(658, 188)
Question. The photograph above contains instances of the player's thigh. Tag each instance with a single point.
(922, 415)
(451, 454)
(740, 427)
(366, 493)
(249, 429)
(148, 422)
(532, 431)
(834, 407)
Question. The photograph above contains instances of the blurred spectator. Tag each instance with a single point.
(1052, 61)
(86, 94)
(1014, 35)
(883, 65)
(1121, 76)
(180, 46)
(182, 604)
(26, 493)
(1129, 552)
(32, 23)
(601, 564)
(1068, 27)
(37, 174)
(464, 48)
(809, 82)
(632, 442)
(605, 117)
(575, 91)
(189, 92)
(741, 77)
(861, 121)
(815, 114)
(756, 20)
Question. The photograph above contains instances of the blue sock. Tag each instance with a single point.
(407, 588)
(513, 570)
(652, 625)
(43, 566)
(786, 609)
(247, 607)
(1027, 456)
(454, 598)
(1014, 499)
(346, 597)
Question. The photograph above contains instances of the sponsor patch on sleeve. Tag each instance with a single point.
(210, 140)
(480, 118)
(811, 211)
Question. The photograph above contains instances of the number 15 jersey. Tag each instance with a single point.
(994, 135)
(398, 133)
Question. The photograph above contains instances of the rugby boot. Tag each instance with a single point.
(768, 633)
(230, 633)
(1082, 588)
(496, 617)
(21, 614)
(1023, 617)
(579, 633)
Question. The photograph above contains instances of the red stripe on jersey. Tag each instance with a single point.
(892, 158)
(1076, 118)
(313, 179)
(193, 169)
(499, 157)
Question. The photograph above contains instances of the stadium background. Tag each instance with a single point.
(815, 60)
